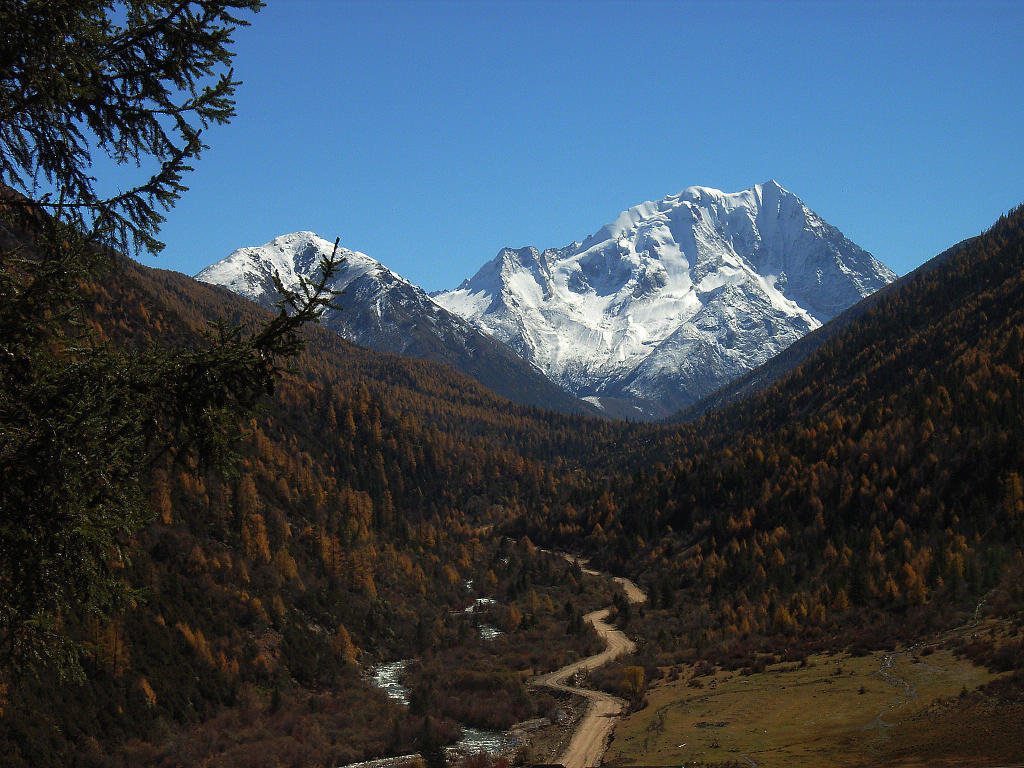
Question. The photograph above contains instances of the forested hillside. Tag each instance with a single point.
(873, 492)
(216, 520)
(364, 501)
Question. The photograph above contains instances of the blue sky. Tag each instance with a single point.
(431, 134)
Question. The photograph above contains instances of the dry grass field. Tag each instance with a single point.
(887, 708)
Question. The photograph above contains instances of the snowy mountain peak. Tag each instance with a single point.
(385, 312)
(661, 306)
(673, 297)
(249, 271)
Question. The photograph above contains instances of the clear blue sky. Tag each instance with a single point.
(431, 134)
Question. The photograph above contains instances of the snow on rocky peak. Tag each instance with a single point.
(249, 271)
(383, 311)
(376, 307)
(673, 298)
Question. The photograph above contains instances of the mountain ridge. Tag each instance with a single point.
(672, 298)
(766, 374)
(381, 310)
(656, 310)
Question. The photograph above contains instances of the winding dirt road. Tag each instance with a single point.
(590, 740)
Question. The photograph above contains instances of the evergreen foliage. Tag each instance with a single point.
(82, 420)
(136, 80)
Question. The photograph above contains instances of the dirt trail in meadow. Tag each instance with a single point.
(590, 740)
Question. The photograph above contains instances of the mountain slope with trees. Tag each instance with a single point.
(365, 496)
(873, 492)
(157, 570)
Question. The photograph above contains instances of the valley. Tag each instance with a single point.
(589, 738)
(299, 512)
(349, 538)
(574, 741)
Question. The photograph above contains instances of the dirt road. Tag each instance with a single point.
(588, 743)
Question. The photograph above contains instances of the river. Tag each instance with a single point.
(388, 677)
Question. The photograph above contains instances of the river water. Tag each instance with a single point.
(388, 677)
(487, 631)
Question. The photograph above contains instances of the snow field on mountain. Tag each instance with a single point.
(684, 292)
(655, 310)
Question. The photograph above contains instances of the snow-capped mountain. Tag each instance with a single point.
(672, 299)
(380, 310)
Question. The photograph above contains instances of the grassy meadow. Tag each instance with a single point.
(911, 706)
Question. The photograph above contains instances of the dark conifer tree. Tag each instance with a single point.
(80, 419)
